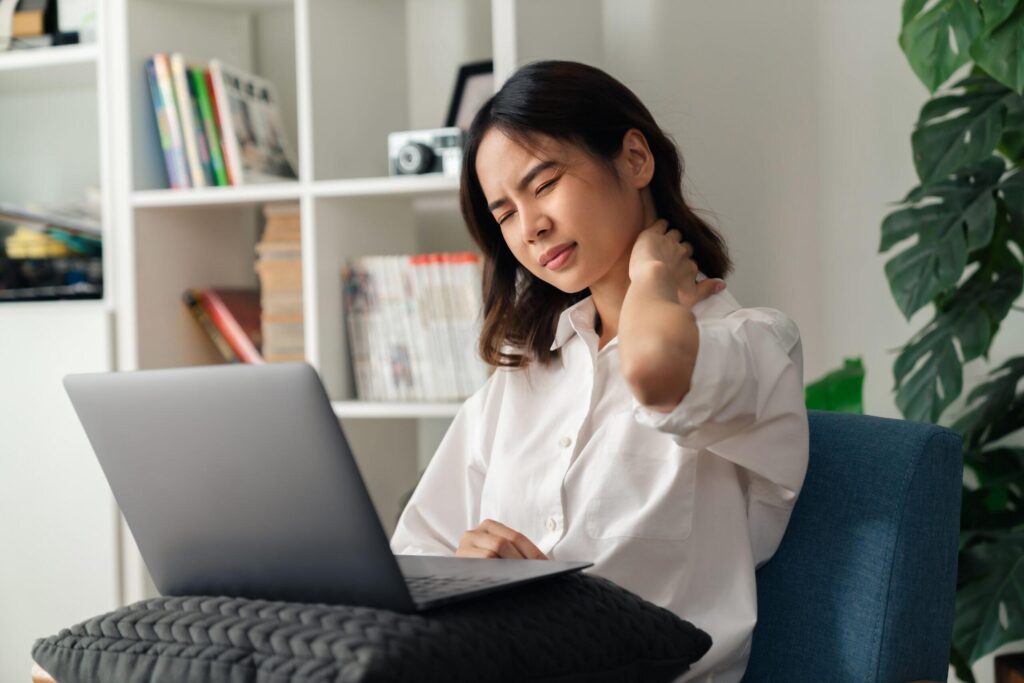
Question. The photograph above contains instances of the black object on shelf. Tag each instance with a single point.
(41, 279)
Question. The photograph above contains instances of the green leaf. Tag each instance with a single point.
(960, 128)
(961, 218)
(928, 370)
(995, 408)
(959, 662)
(841, 390)
(936, 384)
(999, 49)
(990, 608)
(911, 8)
(994, 12)
(925, 38)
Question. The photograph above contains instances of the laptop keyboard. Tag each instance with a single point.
(424, 587)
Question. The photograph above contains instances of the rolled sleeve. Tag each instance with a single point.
(746, 399)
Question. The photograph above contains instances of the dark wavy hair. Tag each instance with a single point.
(582, 105)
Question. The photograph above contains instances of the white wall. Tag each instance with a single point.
(58, 552)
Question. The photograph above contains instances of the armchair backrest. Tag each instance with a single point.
(862, 586)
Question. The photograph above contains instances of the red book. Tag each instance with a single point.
(236, 313)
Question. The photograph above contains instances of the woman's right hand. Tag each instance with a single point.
(493, 539)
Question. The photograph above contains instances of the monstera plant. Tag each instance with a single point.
(967, 220)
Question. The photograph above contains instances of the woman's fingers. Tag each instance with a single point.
(521, 543)
(500, 546)
(493, 540)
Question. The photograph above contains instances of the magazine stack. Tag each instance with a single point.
(217, 124)
(413, 324)
(279, 266)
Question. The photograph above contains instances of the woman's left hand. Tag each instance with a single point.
(659, 244)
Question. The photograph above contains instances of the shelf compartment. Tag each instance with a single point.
(49, 68)
(258, 38)
(399, 80)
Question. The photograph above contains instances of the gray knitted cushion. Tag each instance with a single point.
(578, 627)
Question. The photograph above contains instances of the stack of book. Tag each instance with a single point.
(218, 125)
(413, 325)
(279, 265)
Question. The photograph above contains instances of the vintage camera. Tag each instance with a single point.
(418, 152)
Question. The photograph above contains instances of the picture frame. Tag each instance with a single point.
(474, 85)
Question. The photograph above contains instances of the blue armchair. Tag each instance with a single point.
(862, 586)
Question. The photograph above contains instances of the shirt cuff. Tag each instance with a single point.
(718, 374)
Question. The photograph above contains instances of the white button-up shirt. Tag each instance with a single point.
(679, 508)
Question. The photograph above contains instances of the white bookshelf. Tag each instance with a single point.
(56, 141)
(348, 72)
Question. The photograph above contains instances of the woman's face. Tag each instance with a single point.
(561, 196)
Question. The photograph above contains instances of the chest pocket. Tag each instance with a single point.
(647, 485)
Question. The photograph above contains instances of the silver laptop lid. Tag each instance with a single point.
(237, 480)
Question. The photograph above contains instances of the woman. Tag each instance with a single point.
(638, 417)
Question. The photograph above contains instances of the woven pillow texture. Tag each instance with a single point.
(578, 627)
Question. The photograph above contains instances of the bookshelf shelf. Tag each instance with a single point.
(217, 196)
(388, 185)
(48, 68)
(51, 307)
(377, 409)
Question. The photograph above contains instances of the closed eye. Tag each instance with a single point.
(546, 185)
(539, 190)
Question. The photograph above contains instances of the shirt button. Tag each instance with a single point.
(552, 523)
(564, 442)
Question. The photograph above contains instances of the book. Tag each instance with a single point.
(247, 105)
(186, 112)
(279, 266)
(191, 299)
(353, 297)
(163, 125)
(198, 76)
(181, 178)
(236, 314)
(202, 141)
(413, 322)
(215, 110)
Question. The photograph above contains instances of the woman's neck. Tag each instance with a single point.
(608, 296)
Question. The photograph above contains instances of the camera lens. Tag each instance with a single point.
(415, 157)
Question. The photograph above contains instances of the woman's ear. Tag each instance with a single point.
(635, 160)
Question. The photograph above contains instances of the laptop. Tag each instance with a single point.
(238, 480)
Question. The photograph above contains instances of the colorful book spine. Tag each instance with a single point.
(202, 142)
(162, 125)
(221, 129)
(233, 155)
(181, 177)
(188, 128)
(209, 118)
(229, 327)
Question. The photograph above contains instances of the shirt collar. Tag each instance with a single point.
(581, 316)
(574, 318)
